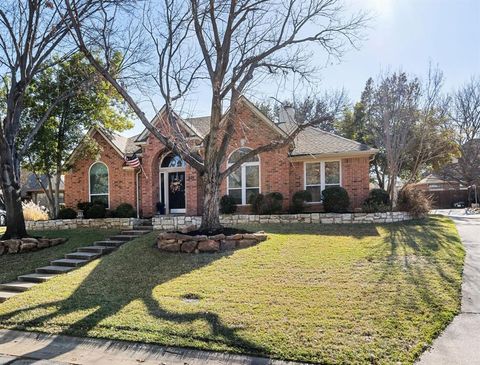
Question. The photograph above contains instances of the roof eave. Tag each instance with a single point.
(321, 156)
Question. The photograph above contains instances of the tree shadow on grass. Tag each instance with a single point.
(129, 274)
(420, 247)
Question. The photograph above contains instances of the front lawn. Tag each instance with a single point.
(12, 266)
(342, 294)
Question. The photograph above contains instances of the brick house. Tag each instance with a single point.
(315, 160)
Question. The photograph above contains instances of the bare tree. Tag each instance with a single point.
(230, 43)
(30, 31)
(433, 144)
(465, 119)
(391, 114)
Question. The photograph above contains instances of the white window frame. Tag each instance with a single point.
(243, 177)
(108, 183)
(322, 184)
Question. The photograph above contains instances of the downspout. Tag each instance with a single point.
(138, 193)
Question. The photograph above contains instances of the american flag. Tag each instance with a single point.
(133, 161)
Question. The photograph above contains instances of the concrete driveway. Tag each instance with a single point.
(459, 344)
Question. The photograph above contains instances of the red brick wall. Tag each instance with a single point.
(121, 182)
(277, 173)
(356, 179)
(274, 166)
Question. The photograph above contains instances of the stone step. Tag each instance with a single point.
(113, 243)
(143, 228)
(136, 232)
(36, 277)
(17, 286)
(100, 250)
(122, 237)
(4, 295)
(69, 262)
(82, 255)
(53, 269)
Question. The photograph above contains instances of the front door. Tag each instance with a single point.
(176, 192)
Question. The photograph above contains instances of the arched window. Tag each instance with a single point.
(172, 160)
(245, 181)
(99, 183)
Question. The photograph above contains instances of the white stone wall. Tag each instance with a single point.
(179, 222)
(113, 223)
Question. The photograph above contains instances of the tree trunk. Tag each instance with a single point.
(10, 180)
(58, 178)
(211, 200)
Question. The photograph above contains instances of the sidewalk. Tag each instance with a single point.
(459, 343)
(25, 348)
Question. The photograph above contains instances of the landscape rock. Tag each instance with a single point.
(246, 243)
(43, 243)
(30, 240)
(189, 246)
(3, 249)
(27, 246)
(13, 245)
(227, 245)
(209, 246)
(172, 247)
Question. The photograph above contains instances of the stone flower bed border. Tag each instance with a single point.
(179, 242)
(15, 246)
(108, 223)
(181, 222)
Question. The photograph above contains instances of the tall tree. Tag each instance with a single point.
(30, 31)
(465, 120)
(406, 120)
(95, 105)
(231, 43)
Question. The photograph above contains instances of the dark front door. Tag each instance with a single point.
(176, 192)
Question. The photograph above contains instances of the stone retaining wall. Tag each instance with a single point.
(28, 244)
(179, 222)
(178, 242)
(120, 223)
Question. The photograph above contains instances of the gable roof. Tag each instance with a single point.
(122, 145)
(314, 141)
(126, 145)
(310, 142)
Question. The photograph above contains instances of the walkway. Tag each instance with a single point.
(459, 343)
(71, 261)
(22, 348)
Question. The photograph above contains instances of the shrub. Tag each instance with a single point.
(84, 206)
(378, 200)
(96, 211)
(34, 212)
(125, 210)
(67, 213)
(413, 201)
(227, 205)
(335, 199)
(99, 209)
(299, 199)
(270, 203)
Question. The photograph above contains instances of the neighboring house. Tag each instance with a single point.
(434, 182)
(315, 160)
(33, 191)
(444, 192)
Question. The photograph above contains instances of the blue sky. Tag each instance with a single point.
(403, 34)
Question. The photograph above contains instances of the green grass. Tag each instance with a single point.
(13, 265)
(340, 294)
